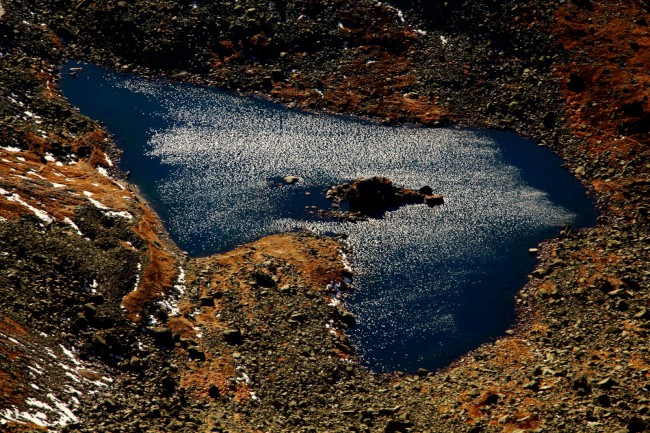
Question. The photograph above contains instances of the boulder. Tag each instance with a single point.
(290, 180)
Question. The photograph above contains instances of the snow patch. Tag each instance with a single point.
(170, 303)
(39, 404)
(32, 115)
(14, 415)
(73, 225)
(346, 262)
(33, 173)
(66, 415)
(41, 214)
(58, 411)
(70, 355)
(111, 213)
(121, 214)
(137, 277)
(11, 149)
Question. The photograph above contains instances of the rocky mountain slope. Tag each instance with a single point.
(105, 326)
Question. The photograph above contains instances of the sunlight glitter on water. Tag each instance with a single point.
(431, 283)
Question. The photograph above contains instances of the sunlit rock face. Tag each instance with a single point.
(431, 282)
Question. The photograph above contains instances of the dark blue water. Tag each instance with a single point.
(431, 283)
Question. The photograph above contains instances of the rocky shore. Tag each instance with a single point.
(105, 326)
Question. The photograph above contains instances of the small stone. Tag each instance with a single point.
(637, 425)
(348, 318)
(207, 301)
(607, 383)
(604, 400)
(397, 425)
(612, 330)
(290, 180)
(213, 392)
(532, 385)
(162, 336)
(492, 399)
(232, 336)
(433, 200)
(195, 353)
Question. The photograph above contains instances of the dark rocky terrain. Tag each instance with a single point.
(106, 327)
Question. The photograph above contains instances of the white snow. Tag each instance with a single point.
(72, 376)
(122, 214)
(100, 205)
(39, 404)
(14, 415)
(73, 225)
(41, 214)
(11, 149)
(34, 369)
(57, 185)
(346, 262)
(32, 115)
(443, 40)
(102, 171)
(49, 157)
(70, 355)
(65, 413)
(181, 275)
(33, 173)
(137, 277)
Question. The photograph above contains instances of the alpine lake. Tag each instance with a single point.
(430, 283)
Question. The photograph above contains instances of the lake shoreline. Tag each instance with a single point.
(586, 297)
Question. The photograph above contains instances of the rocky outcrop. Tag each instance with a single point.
(373, 196)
